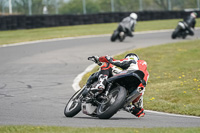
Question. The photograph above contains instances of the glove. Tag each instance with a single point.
(95, 59)
(109, 58)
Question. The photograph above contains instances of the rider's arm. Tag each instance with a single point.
(193, 24)
(123, 63)
(133, 23)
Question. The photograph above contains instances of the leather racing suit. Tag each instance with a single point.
(129, 24)
(108, 69)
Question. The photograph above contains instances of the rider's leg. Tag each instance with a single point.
(91, 79)
(138, 110)
(104, 73)
(136, 107)
(129, 32)
(101, 83)
(190, 30)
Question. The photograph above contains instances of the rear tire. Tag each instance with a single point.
(73, 107)
(115, 101)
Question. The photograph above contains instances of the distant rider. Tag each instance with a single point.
(129, 23)
(130, 62)
(191, 21)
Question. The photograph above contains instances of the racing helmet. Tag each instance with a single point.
(194, 14)
(133, 16)
(132, 56)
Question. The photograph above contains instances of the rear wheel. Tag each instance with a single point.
(73, 106)
(110, 106)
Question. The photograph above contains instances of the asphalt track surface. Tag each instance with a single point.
(36, 82)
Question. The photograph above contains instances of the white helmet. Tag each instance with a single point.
(132, 56)
(133, 15)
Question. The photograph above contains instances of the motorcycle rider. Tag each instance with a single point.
(130, 62)
(191, 21)
(129, 23)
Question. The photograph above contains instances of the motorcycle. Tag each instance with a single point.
(120, 90)
(180, 31)
(120, 33)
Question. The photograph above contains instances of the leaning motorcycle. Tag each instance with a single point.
(120, 33)
(121, 89)
(180, 31)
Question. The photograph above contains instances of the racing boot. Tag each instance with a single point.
(101, 84)
(138, 112)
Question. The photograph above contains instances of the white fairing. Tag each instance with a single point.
(181, 25)
(88, 108)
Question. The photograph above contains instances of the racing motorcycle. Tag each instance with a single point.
(120, 90)
(180, 31)
(120, 33)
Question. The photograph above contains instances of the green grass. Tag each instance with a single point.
(46, 129)
(174, 83)
(15, 36)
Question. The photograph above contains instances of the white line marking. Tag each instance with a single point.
(69, 38)
(79, 37)
(76, 81)
(163, 113)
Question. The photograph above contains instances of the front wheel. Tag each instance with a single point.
(114, 36)
(112, 104)
(73, 106)
(175, 33)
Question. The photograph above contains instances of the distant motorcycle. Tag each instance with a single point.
(120, 91)
(180, 31)
(120, 33)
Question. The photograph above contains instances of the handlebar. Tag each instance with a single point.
(92, 58)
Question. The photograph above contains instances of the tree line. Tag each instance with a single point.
(35, 7)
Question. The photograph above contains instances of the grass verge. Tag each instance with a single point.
(174, 83)
(46, 129)
(15, 36)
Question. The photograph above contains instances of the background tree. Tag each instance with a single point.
(93, 6)
(76, 7)
(162, 4)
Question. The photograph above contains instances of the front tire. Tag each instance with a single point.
(115, 101)
(114, 36)
(175, 33)
(73, 107)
